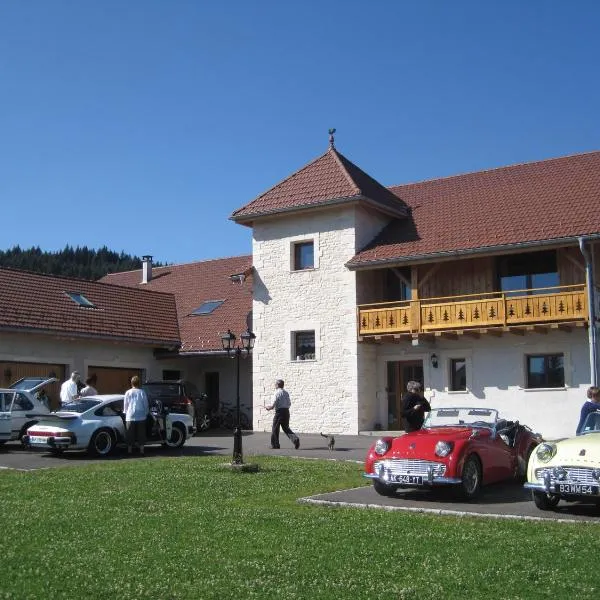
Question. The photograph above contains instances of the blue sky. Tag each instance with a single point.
(143, 124)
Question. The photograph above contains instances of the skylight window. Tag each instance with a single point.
(206, 308)
(80, 299)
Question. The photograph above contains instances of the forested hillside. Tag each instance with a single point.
(79, 262)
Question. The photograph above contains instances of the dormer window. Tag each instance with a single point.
(80, 299)
(304, 256)
(206, 308)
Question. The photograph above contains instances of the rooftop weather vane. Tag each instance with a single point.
(331, 138)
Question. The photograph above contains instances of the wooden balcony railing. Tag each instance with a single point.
(494, 309)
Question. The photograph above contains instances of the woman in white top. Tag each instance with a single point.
(136, 409)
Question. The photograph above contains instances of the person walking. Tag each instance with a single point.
(136, 409)
(592, 404)
(69, 390)
(414, 407)
(281, 404)
(90, 386)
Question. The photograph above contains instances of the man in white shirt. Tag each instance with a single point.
(68, 390)
(281, 403)
(136, 409)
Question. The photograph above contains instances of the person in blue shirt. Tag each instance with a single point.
(592, 404)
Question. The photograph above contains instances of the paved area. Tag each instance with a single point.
(507, 501)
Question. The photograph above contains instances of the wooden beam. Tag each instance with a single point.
(429, 273)
(566, 327)
(401, 277)
(474, 333)
(414, 283)
(495, 331)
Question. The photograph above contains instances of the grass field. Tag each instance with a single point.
(175, 528)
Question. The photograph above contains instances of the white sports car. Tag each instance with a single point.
(97, 424)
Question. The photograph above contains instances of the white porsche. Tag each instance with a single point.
(96, 424)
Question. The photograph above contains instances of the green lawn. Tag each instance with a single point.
(177, 528)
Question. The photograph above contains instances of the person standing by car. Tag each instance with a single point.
(136, 409)
(592, 404)
(281, 403)
(90, 386)
(69, 390)
(414, 407)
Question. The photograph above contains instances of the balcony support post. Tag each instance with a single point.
(592, 329)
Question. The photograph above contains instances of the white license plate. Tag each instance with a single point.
(577, 488)
(38, 439)
(408, 479)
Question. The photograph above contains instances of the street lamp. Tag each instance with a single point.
(230, 346)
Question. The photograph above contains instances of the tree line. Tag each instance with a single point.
(80, 262)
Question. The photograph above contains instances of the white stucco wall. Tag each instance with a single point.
(324, 391)
(496, 375)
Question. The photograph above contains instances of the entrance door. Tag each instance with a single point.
(398, 375)
(211, 387)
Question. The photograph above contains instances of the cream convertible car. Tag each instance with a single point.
(568, 469)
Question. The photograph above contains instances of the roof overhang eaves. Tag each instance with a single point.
(359, 198)
(448, 255)
(93, 336)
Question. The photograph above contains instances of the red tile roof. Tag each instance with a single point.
(39, 303)
(329, 179)
(533, 202)
(195, 283)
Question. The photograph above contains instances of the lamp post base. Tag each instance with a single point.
(238, 455)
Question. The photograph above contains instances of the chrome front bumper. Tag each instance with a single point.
(427, 480)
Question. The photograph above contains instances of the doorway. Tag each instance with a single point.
(398, 375)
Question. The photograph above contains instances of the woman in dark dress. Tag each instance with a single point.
(414, 407)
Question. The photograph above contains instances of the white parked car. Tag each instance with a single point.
(96, 424)
(22, 398)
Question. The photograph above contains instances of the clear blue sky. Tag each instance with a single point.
(142, 124)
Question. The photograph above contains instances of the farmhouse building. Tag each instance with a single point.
(483, 286)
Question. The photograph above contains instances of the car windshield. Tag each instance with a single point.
(592, 423)
(79, 406)
(448, 417)
(161, 390)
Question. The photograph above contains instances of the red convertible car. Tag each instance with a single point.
(459, 447)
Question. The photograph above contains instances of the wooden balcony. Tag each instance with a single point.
(494, 311)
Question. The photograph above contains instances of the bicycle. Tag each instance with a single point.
(226, 418)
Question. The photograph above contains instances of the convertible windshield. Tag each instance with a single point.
(79, 406)
(592, 423)
(448, 417)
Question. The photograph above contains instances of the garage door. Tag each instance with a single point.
(112, 380)
(13, 371)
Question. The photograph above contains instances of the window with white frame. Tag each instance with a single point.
(458, 374)
(303, 256)
(545, 371)
(303, 345)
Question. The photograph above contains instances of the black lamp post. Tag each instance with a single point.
(229, 344)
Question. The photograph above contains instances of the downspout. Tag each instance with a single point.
(592, 329)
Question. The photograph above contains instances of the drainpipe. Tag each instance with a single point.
(592, 330)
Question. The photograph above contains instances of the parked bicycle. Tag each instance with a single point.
(226, 417)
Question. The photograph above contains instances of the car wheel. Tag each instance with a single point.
(545, 501)
(102, 443)
(384, 489)
(177, 438)
(470, 485)
(203, 422)
(25, 428)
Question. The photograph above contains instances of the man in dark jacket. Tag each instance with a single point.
(591, 405)
(414, 407)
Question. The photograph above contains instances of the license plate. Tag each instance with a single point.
(409, 479)
(38, 439)
(577, 488)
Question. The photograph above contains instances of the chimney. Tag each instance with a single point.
(146, 268)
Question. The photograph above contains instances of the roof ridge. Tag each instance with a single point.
(58, 278)
(338, 159)
(492, 169)
(192, 262)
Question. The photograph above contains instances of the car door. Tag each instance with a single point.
(6, 397)
(111, 415)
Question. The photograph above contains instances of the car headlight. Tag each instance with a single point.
(381, 447)
(545, 452)
(443, 448)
